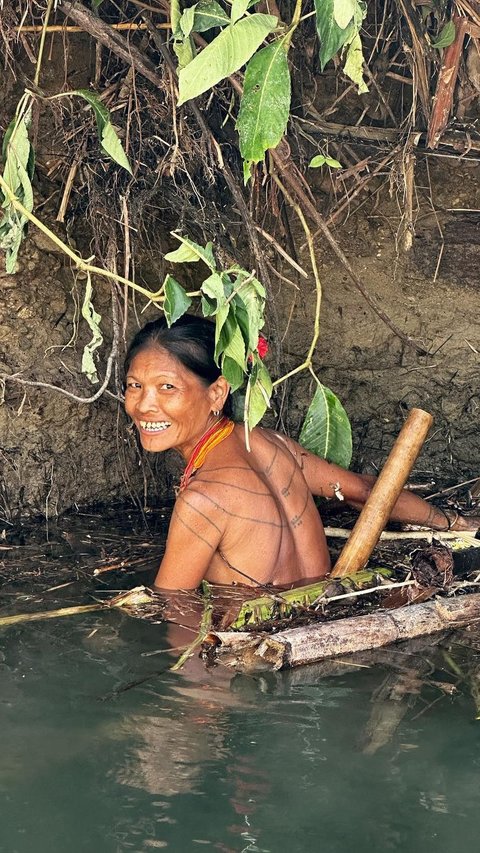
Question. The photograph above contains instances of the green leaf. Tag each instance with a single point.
(265, 104)
(260, 393)
(176, 300)
(102, 115)
(93, 319)
(190, 252)
(250, 306)
(354, 64)
(332, 37)
(239, 7)
(236, 347)
(326, 429)
(208, 14)
(232, 372)
(113, 147)
(187, 20)
(228, 52)
(214, 288)
(107, 135)
(446, 36)
(175, 15)
(343, 12)
(184, 51)
(225, 327)
(322, 160)
(18, 157)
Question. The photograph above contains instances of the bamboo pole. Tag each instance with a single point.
(384, 495)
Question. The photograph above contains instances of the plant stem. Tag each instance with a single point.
(318, 286)
(42, 42)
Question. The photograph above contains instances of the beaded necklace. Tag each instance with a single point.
(217, 433)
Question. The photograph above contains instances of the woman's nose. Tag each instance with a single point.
(147, 402)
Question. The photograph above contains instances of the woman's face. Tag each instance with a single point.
(169, 405)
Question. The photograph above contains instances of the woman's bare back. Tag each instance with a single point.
(255, 512)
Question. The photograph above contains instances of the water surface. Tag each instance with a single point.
(373, 758)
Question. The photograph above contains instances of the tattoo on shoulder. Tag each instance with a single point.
(269, 467)
(297, 520)
(286, 489)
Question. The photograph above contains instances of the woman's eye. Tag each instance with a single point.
(166, 386)
(133, 384)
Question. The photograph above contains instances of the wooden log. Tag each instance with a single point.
(384, 495)
(315, 642)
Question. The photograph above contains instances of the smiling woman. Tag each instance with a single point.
(241, 516)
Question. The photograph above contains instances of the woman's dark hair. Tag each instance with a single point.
(191, 340)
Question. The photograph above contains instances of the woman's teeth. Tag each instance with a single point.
(154, 426)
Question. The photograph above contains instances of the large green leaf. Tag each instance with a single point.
(184, 50)
(232, 372)
(265, 105)
(332, 37)
(236, 347)
(228, 52)
(208, 14)
(326, 429)
(176, 300)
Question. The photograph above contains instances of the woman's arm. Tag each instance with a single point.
(329, 480)
(195, 531)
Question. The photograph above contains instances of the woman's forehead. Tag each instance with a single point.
(157, 361)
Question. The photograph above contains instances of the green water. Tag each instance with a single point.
(294, 761)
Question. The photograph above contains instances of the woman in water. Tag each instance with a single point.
(240, 516)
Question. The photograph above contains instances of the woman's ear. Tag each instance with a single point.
(218, 392)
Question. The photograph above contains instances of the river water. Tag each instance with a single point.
(104, 749)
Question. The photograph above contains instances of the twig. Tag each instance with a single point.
(451, 489)
(307, 363)
(110, 38)
(42, 42)
(205, 628)
(65, 28)
(67, 192)
(281, 251)
(326, 599)
(396, 535)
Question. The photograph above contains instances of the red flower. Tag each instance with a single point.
(262, 347)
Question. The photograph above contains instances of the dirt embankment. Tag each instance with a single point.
(55, 452)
